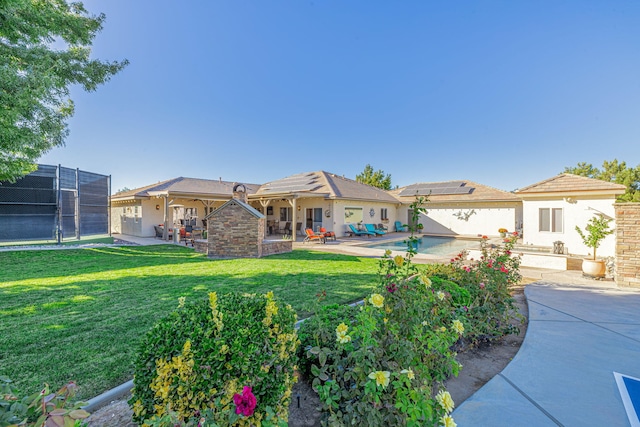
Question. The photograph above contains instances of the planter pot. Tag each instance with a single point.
(503, 235)
(594, 268)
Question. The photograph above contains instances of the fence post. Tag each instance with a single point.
(109, 206)
(77, 207)
(59, 206)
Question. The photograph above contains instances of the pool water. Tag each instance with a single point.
(429, 245)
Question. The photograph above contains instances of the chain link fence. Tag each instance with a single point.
(54, 203)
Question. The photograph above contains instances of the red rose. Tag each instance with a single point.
(245, 402)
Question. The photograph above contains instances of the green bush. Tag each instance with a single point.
(40, 409)
(384, 366)
(443, 271)
(460, 297)
(489, 281)
(319, 331)
(202, 358)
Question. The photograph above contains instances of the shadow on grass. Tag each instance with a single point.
(21, 265)
(89, 332)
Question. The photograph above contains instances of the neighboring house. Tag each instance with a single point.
(177, 200)
(322, 199)
(461, 208)
(554, 207)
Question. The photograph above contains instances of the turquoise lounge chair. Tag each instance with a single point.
(372, 229)
(357, 232)
(399, 226)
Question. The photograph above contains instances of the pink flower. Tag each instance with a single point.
(481, 285)
(504, 270)
(245, 402)
(392, 288)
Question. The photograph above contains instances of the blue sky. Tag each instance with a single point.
(504, 93)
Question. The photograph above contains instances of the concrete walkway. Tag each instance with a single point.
(563, 374)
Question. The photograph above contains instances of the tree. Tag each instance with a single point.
(612, 171)
(376, 179)
(123, 190)
(35, 76)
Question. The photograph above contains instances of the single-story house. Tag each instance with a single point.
(174, 201)
(554, 207)
(323, 199)
(461, 208)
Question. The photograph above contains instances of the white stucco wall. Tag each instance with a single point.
(341, 224)
(470, 219)
(576, 211)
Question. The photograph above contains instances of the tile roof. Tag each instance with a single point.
(477, 193)
(323, 184)
(569, 183)
(183, 185)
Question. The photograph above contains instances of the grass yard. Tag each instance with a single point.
(78, 314)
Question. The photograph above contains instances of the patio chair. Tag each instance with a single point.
(382, 227)
(298, 228)
(372, 229)
(357, 232)
(186, 235)
(399, 226)
(310, 236)
(328, 234)
(287, 228)
(160, 232)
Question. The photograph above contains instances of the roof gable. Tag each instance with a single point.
(454, 191)
(236, 202)
(323, 184)
(182, 185)
(570, 183)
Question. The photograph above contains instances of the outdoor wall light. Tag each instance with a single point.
(157, 207)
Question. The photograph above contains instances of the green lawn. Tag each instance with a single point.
(78, 314)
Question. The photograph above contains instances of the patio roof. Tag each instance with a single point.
(321, 184)
(453, 192)
(189, 188)
(569, 184)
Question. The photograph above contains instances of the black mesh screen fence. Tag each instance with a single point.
(54, 203)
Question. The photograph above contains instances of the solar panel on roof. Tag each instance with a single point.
(437, 188)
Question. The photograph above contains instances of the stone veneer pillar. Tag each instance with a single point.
(628, 244)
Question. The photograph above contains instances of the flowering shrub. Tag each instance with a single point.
(488, 280)
(320, 331)
(40, 409)
(381, 366)
(227, 361)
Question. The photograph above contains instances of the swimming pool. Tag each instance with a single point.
(430, 245)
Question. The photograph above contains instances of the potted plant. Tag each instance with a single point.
(503, 232)
(596, 230)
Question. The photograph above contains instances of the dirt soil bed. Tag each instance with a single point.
(479, 365)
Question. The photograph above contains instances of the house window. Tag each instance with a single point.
(286, 214)
(136, 213)
(550, 220)
(383, 214)
(352, 215)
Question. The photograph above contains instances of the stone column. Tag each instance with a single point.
(628, 244)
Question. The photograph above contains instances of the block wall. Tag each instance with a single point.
(628, 244)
